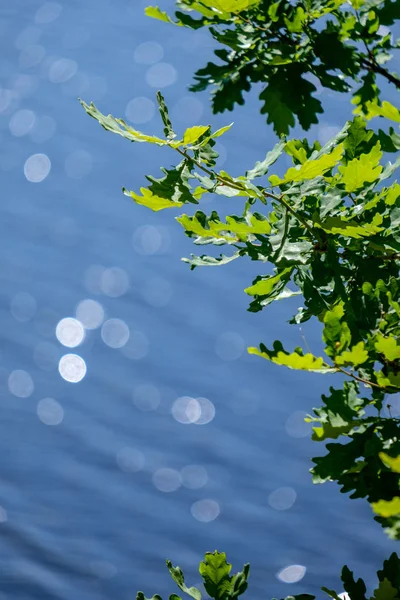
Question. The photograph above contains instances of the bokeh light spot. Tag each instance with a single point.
(37, 167)
(48, 12)
(205, 510)
(49, 411)
(295, 425)
(229, 346)
(114, 282)
(291, 574)
(20, 384)
(90, 313)
(72, 368)
(130, 460)
(194, 477)
(282, 498)
(148, 53)
(146, 397)
(161, 75)
(140, 110)
(70, 332)
(23, 307)
(167, 480)
(115, 333)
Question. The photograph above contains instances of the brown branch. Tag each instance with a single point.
(372, 65)
(359, 378)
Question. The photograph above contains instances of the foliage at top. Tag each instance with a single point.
(221, 585)
(343, 45)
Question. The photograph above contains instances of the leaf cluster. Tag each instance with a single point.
(221, 585)
(329, 229)
(344, 46)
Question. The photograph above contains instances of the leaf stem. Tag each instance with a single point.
(366, 381)
(238, 186)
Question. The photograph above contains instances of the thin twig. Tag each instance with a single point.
(359, 378)
(372, 65)
(238, 186)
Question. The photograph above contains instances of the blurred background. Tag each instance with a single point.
(134, 427)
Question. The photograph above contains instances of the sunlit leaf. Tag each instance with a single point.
(361, 170)
(149, 200)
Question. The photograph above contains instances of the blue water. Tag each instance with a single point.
(83, 509)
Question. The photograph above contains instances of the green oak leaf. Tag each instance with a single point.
(387, 508)
(296, 360)
(357, 355)
(360, 170)
(178, 577)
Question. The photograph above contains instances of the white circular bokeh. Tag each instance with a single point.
(37, 167)
(70, 332)
(20, 383)
(205, 510)
(115, 333)
(72, 368)
(22, 122)
(90, 313)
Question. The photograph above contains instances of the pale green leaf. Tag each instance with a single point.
(306, 362)
(387, 508)
(357, 355)
(351, 229)
(311, 168)
(261, 168)
(389, 461)
(360, 170)
(264, 287)
(388, 347)
(150, 200)
(192, 134)
(221, 131)
(155, 13)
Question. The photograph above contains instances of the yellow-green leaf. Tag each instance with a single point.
(221, 131)
(150, 200)
(357, 355)
(351, 229)
(311, 168)
(264, 287)
(297, 24)
(231, 231)
(389, 461)
(328, 431)
(306, 362)
(360, 170)
(192, 134)
(155, 13)
(230, 6)
(387, 508)
(373, 109)
(392, 194)
(388, 347)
